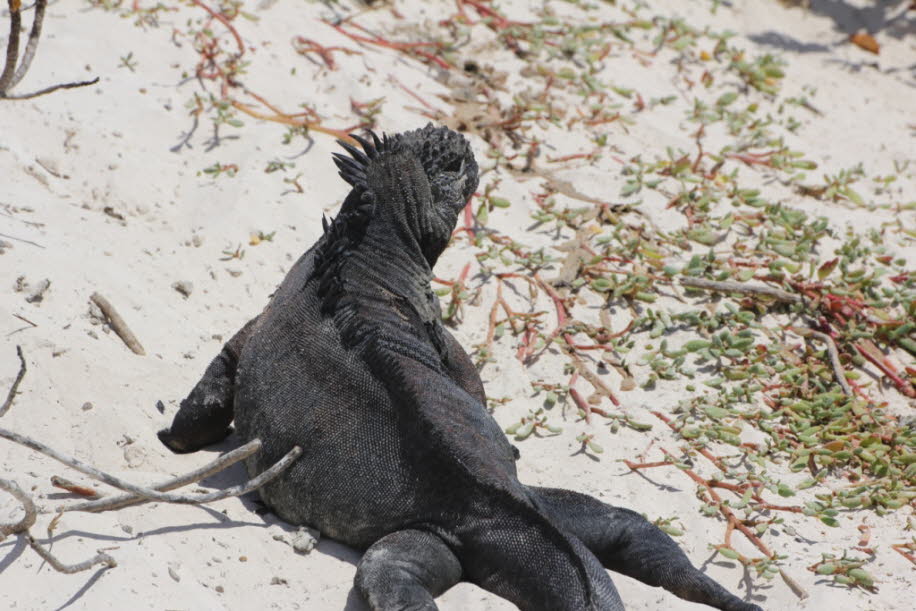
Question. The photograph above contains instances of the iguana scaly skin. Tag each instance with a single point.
(351, 362)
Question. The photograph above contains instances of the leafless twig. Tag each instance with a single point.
(740, 287)
(27, 506)
(57, 565)
(138, 494)
(148, 493)
(65, 484)
(11, 75)
(124, 500)
(833, 353)
(29, 54)
(12, 46)
(12, 393)
(117, 324)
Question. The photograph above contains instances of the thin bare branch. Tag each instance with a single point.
(29, 54)
(65, 484)
(11, 75)
(11, 395)
(117, 324)
(741, 287)
(124, 500)
(52, 88)
(833, 353)
(28, 506)
(57, 565)
(117, 482)
(12, 46)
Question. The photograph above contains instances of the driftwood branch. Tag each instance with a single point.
(49, 89)
(28, 507)
(148, 493)
(12, 46)
(57, 565)
(12, 393)
(11, 75)
(833, 354)
(741, 287)
(117, 324)
(136, 494)
(29, 54)
(125, 500)
(65, 484)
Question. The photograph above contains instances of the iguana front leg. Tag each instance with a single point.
(205, 414)
(405, 571)
(627, 543)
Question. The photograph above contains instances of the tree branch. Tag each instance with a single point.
(117, 324)
(12, 46)
(12, 393)
(740, 287)
(29, 54)
(125, 500)
(28, 506)
(11, 75)
(148, 493)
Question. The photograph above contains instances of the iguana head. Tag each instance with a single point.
(420, 179)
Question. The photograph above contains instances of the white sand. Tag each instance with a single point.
(67, 157)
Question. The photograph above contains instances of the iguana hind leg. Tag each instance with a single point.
(627, 543)
(405, 571)
(205, 415)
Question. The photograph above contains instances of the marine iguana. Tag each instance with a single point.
(401, 458)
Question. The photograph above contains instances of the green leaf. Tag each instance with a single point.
(784, 490)
(729, 553)
(824, 270)
(697, 344)
(524, 431)
(853, 196)
(715, 412)
(630, 188)
(861, 576)
(601, 285)
(726, 98)
(671, 530)
(483, 213)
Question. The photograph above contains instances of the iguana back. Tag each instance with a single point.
(351, 362)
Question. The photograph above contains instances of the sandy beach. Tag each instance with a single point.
(184, 184)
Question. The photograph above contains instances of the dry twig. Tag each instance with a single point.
(12, 393)
(117, 324)
(148, 493)
(11, 75)
(27, 506)
(57, 565)
(124, 500)
(138, 494)
(834, 355)
(740, 287)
